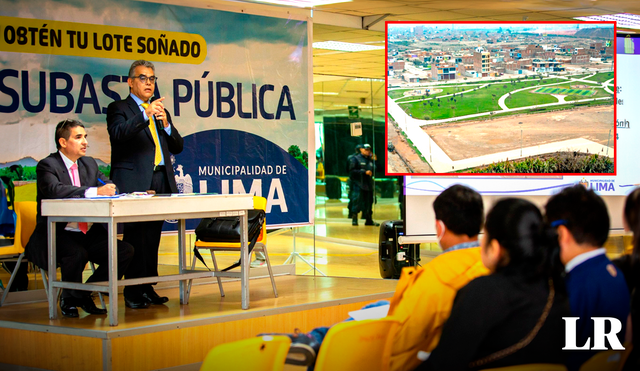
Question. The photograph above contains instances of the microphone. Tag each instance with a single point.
(159, 122)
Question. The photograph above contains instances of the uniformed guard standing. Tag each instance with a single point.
(350, 159)
(361, 172)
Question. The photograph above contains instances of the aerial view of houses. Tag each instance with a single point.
(491, 98)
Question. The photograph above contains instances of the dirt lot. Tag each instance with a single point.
(394, 161)
(476, 138)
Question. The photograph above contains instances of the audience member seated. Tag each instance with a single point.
(514, 315)
(596, 288)
(424, 295)
(630, 266)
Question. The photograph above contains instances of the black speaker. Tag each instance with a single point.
(393, 256)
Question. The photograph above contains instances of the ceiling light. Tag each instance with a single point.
(626, 20)
(302, 3)
(345, 47)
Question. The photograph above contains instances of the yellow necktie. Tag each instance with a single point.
(154, 134)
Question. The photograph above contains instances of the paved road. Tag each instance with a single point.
(605, 86)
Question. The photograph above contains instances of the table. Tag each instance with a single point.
(125, 209)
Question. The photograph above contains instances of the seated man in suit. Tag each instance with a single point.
(596, 288)
(68, 173)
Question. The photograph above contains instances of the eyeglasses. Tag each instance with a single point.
(144, 78)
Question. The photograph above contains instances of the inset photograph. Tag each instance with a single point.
(500, 98)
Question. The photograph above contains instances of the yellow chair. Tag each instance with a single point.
(26, 212)
(259, 203)
(531, 367)
(607, 360)
(358, 345)
(628, 347)
(265, 353)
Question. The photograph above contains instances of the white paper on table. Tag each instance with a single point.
(137, 195)
(370, 313)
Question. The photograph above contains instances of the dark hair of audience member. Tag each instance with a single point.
(632, 217)
(583, 212)
(531, 245)
(460, 209)
(63, 130)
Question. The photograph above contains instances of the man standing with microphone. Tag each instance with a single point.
(142, 139)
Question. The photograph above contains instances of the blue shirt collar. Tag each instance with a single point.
(464, 245)
(583, 258)
(135, 98)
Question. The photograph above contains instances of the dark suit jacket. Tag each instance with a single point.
(54, 182)
(133, 150)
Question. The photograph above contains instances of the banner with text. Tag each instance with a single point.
(237, 86)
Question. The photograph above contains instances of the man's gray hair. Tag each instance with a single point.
(140, 62)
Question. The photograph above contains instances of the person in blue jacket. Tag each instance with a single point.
(596, 288)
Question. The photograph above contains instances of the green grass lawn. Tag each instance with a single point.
(475, 102)
(393, 94)
(578, 93)
(599, 93)
(445, 91)
(481, 100)
(528, 98)
(507, 86)
(566, 90)
(564, 106)
(578, 76)
(601, 76)
(500, 114)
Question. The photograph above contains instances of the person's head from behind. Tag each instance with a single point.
(631, 219)
(459, 215)
(516, 239)
(581, 219)
(71, 139)
(358, 149)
